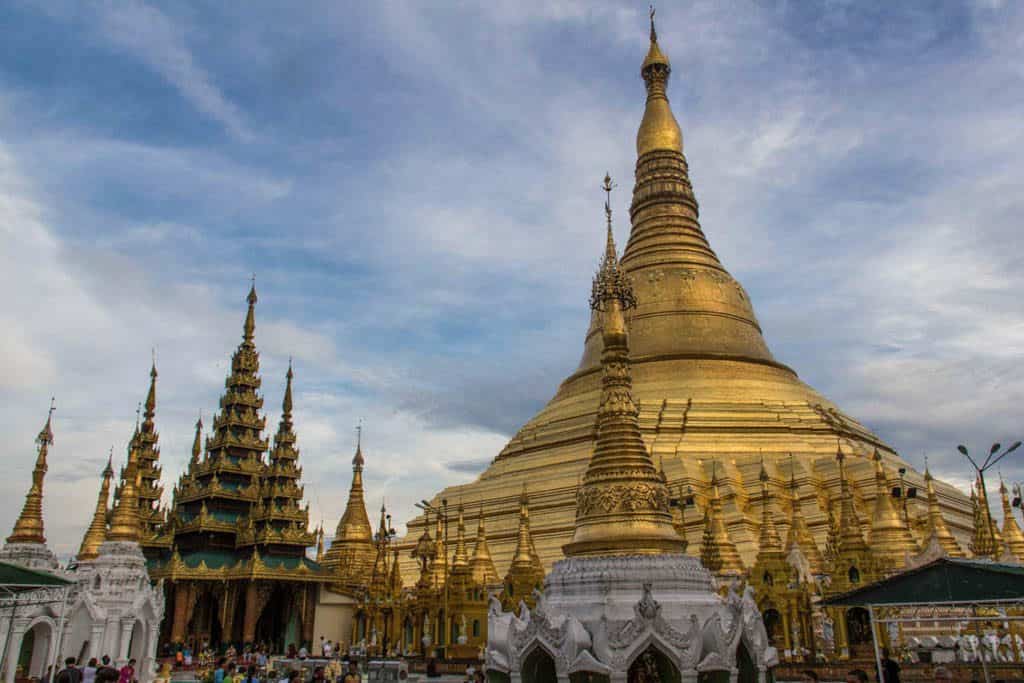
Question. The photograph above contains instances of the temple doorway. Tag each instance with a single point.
(539, 667)
(858, 631)
(773, 625)
(34, 654)
(651, 666)
(745, 665)
(275, 624)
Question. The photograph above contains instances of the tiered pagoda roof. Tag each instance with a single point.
(235, 514)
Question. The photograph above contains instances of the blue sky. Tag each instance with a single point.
(415, 186)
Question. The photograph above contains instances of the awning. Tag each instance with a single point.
(16, 579)
(945, 580)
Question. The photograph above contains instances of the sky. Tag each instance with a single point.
(416, 187)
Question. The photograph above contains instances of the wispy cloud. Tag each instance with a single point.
(416, 190)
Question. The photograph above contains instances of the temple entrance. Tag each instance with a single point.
(137, 644)
(773, 625)
(275, 625)
(539, 667)
(651, 666)
(33, 656)
(745, 665)
(858, 631)
(205, 622)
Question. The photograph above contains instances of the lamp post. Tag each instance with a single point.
(904, 493)
(991, 460)
(442, 513)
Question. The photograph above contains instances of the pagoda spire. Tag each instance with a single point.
(29, 526)
(850, 539)
(799, 536)
(352, 552)
(1013, 539)
(395, 581)
(197, 442)
(148, 424)
(708, 317)
(622, 507)
(984, 542)
(718, 552)
(936, 524)
(320, 543)
(124, 520)
(97, 531)
(379, 576)
(249, 328)
(890, 537)
(768, 539)
(481, 565)
(460, 559)
(145, 441)
(526, 573)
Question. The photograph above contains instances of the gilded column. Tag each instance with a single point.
(251, 606)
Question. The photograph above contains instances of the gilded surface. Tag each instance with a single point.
(705, 385)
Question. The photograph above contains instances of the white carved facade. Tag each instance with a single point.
(111, 609)
(604, 615)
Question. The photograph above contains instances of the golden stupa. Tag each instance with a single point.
(708, 390)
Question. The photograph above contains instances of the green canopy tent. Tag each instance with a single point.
(944, 590)
(22, 587)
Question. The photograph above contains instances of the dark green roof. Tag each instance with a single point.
(16, 578)
(944, 580)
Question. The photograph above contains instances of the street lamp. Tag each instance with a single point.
(991, 460)
(904, 493)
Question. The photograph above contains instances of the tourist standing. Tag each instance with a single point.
(89, 671)
(69, 674)
(890, 669)
(221, 673)
(328, 649)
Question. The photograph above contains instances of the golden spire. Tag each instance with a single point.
(983, 543)
(768, 539)
(1013, 539)
(29, 526)
(659, 129)
(936, 524)
(524, 554)
(97, 531)
(320, 543)
(622, 506)
(124, 520)
(890, 537)
(481, 565)
(150, 412)
(460, 559)
(352, 551)
(851, 539)
(249, 329)
(718, 553)
(395, 581)
(379, 576)
(197, 443)
(799, 536)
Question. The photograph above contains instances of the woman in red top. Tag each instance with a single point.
(127, 672)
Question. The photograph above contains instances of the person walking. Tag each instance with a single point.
(352, 676)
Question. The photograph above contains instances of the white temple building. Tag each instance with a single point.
(111, 608)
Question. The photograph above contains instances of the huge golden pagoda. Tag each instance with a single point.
(712, 401)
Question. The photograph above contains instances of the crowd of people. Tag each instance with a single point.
(95, 671)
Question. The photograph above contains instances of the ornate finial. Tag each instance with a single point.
(249, 328)
(45, 437)
(286, 404)
(610, 282)
(358, 460)
(654, 34)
